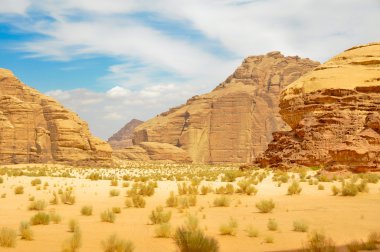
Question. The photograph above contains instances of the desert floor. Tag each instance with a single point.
(343, 218)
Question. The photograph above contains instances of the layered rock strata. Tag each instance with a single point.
(34, 128)
(334, 113)
(234, 122)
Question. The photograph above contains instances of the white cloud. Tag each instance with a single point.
(14, 6)
(167, 51)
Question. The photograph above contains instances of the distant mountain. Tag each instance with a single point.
(123, 138)
(35, 128)
(234, 122)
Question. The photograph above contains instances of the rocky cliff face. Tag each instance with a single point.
(35, 128)
(234, 122)
(334, 113)
(123, 138)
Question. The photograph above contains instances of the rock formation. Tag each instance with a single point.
(35, 128)
(334, 113)
(147, 151)
(123, 138)
(234, 122)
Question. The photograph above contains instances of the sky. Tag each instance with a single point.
(114, 60)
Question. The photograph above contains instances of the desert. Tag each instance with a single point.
(189, 126)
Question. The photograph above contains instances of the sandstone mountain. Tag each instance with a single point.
(34, 128)
(123, 138)
(334, 113)
(233, 123)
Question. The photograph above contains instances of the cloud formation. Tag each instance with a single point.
(166, 51)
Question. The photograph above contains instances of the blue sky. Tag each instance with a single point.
(111, 61)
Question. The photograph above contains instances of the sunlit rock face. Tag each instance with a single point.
(35, 128)
(334, 113)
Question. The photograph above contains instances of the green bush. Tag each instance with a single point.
(251, 231)
(272, 225)
(222, 201)
(159, 216)
(26, 232)
(138, 201)
(300, 226)
(172, 201)
(163, 230)
(35, 182)
(194, 241)
(108, 216)
(7, 237)
(73, 225)
(265, 206)
(40, 218)
(68, 197)
(335, 190)
(19, 190)
(319, 242)
(230, 228)
(294, 188)
(37, 205)
(349, 189)
(114, 193)
(115, 244)
(86, 210)
(74, 242)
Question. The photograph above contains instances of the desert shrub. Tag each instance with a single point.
(247, 186)
(125, 184)
(268, 239)
(7, 237)
(230, 176)
(54, 200)
(229, 189)
(35, 182)
(86, 210)
(94, 176)
(143, 189)
(194, 241)
(55, 218)
(370, 244)
(363, 186)
(349, 189)
(163, 230)
(319, 242)
(183, 202)
(335, 190)
(222, 201)
(206, 189)
(73, 224)
(272, 225)
(26, 232)
(37, 205)
(159, 216)
(19, 190)
(281, 176)
(116, 210)
(114, 192)
(321, 187)
(300, 226)
(114, 182)
(294, 188)
(115, 244)
(370, 177)
(74, 242)
(192, 222)
(128, 203)
(68, 197)
(172, 201)
(138, 201)
(40, 218)
(108, 216)
(230, 228)
(192, 200)
(251, 231)
(1, 180)
(265, 206)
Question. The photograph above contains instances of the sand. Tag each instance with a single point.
(341, 218)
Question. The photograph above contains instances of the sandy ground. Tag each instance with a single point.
(342, 218)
